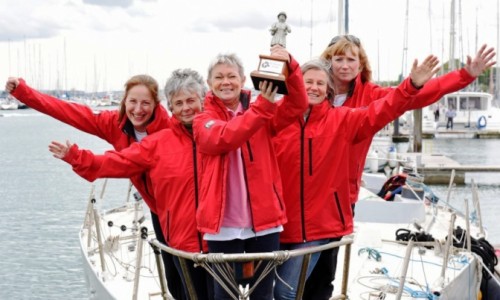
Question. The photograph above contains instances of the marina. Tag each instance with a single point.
(44, 219)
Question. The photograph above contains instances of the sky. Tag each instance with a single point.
(96, 45)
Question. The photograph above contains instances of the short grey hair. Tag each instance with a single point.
(321, 65)
(226, 59)
(185, 80)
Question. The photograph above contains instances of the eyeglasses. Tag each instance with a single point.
(351, 38)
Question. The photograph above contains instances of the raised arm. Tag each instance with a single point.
(215, 136)
(293, 105)
(453, 81)
(131, 161)
(379, 113)
(77, 115)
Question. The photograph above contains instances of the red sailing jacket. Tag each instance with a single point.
(366, 92)
(313, 156)
(170, 157)
(103, 124)
(216, 134)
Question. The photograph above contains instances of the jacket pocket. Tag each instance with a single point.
(278, 197)
(339, 208)
(310, 157)
(167, 238)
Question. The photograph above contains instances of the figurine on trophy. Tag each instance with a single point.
(279, 30)
(272, 68)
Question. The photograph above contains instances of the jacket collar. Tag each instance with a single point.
(319, 111)
(213, 102)
(180, 128)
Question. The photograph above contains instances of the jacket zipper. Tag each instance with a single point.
(250, 155)
(302, 180)
(196, 196)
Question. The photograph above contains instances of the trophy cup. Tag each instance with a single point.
(273, 69)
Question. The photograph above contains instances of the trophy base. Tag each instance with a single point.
(277, 80)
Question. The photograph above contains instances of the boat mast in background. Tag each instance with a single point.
(343, 19)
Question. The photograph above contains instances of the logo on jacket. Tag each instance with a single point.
(209, 124)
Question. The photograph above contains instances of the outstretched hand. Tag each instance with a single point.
(11, 84)
(59, 150)
(420, 74)
(481, 62)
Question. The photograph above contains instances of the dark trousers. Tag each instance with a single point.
(319, 285)
(203, 282)
(449, 123)
(174, 281)
(266, 243)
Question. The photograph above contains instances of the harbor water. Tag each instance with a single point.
(43, 203)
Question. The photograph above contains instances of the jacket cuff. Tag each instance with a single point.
(72, 154)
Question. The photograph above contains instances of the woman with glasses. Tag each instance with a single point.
(353, 87)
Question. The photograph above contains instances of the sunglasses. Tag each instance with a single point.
(349, 37)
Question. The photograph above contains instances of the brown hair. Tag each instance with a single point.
(341, 46)
(146, 80)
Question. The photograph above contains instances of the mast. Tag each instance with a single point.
(452, 37)
(405, 44)
(496, 85)
(311, 35)
(10, 73)
(346, 17)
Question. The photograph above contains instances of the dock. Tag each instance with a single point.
(464, 133)
(437, 168)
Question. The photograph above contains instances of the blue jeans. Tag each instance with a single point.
(266, 243)
(319, 284)
(289, 272)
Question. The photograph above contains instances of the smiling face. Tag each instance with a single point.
(316, 85)
(185, 105)
(345, 67)
(226, 83)
(139, 106)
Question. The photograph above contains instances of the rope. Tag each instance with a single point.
(219, 265)
(372, 253)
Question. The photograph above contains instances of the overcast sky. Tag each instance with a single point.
(99, 44)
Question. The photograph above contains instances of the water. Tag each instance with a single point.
(42, 208)
(43, 203)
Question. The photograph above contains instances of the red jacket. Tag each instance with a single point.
(171, 159)
(216, 134)
(103, 124)
(366, 92)
(313, 156)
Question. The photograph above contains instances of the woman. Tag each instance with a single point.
(312, 155)
(241, 208)
(170, 158)
(353, 87)
(140, 114)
